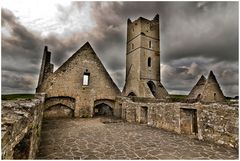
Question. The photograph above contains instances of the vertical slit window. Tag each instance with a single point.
(150, 44)
(132, 46)
(149, 62)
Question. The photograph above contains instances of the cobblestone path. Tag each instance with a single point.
(92, 139)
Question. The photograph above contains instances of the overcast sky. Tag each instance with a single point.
(195, 37)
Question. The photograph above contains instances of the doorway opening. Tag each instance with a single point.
(144, 115)
(131, 94)
(152, 87)
(188, 121)
(103, 110)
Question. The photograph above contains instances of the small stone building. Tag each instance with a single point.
(207, 90)
(81, 87)
(143, 59)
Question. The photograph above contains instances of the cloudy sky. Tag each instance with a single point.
(195, 37)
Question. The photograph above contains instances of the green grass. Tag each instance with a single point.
(17, 96)
(178, 98)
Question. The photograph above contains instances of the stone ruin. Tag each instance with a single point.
(21, 127)
(207, 90)
(82, 87)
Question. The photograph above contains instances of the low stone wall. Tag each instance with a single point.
(216, 123)
(21, 127)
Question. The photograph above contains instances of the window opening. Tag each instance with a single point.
(150, 44)
(149, 62)
(86, 78)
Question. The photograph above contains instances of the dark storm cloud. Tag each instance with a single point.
(188, 29)
(22, 52)
(20, 83)
(21, 39)
(203, 32)
(196, 37)
(183, 77)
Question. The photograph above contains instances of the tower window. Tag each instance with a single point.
(132, 46)
(149, 62)
(86, 78)
(150, 44)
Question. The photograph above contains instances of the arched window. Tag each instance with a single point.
(152, 87)
(131, 94)
(150, 44)
(149, 62)
(132, 45)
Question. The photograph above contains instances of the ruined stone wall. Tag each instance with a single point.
(216, 123)
(219, 123)
(67, 81)
(21, 127)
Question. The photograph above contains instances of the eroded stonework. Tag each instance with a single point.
(207, 90)
(21, 128)
(78, 85)
(213, 122)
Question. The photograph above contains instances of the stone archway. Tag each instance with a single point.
(103, 109)
(131, 94)
(58, 111)
(152, 87)
(61, 106)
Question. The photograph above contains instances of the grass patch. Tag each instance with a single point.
(178, 98)
(17, 96)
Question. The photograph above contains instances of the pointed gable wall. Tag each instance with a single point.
(67, 80)
(196, 92)
(212, 91)
(207, 90)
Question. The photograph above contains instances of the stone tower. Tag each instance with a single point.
(143, 59)
(46, 68)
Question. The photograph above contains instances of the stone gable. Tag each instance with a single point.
(196, 92)
(67, 81)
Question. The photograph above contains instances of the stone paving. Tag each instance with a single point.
(93, 139)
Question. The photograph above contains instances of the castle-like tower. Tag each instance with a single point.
(143, 59)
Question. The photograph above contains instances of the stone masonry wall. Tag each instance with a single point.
(214, 122)
(67, 81)
(21, 127)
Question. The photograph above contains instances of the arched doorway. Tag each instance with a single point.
(58, 111)
(103, 110)
(59, 106)
(131, 94)
(152, 87)
(199, 97)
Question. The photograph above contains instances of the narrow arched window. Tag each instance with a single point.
(149, 62)
(150, 44)
(132, 46)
